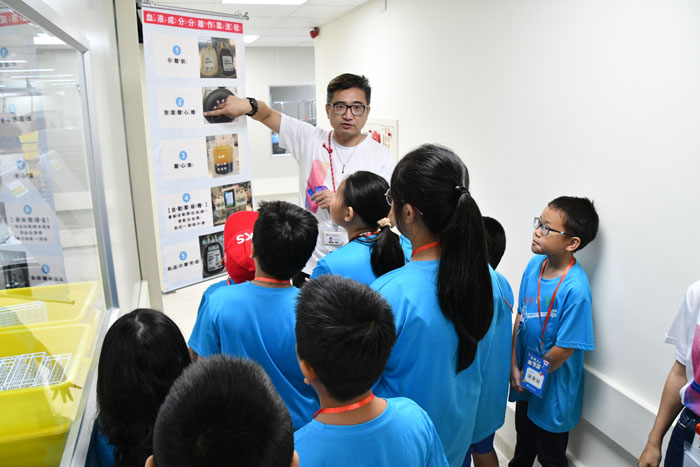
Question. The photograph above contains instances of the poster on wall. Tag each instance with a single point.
(385, 132)
(201, 164)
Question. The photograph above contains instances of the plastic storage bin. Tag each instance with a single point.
(42, 370)
(47, 306)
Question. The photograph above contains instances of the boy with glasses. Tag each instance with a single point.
(325, 158)
(552, 329)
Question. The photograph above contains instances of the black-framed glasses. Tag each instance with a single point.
(339, 108)
(389, 199)
(546, 229)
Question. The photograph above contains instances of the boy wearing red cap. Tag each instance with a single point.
(238, 238)
(255, 319)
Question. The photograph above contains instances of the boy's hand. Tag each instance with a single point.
(515, 378)
(651, 456)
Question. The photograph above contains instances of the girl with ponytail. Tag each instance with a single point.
(443, 299)
(373, 249)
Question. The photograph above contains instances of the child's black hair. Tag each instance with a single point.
(345, 332)
(435, 181)
(348, 81)
(142, 354)
(284, 237)
(223, 411)
(580, 217)
(495, 240)
(364, 192)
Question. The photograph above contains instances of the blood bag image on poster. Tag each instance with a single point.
(217, 57)
(201, 164)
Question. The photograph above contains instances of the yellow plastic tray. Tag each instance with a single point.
(31, 411)
(65, 303)
(40, 448)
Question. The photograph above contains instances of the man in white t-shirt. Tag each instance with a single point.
(325, 158)
(683, 380)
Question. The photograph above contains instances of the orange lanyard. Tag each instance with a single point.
(346, 408)
(270, 280)
(427, 246)
(330, 157)
(551, 303)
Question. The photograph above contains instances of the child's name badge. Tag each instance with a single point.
(535, 372)
(332, 238)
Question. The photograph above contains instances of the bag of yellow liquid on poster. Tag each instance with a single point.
(208, 66)
(223, 159)
(227, 60)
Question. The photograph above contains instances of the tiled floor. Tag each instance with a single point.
(181, 306)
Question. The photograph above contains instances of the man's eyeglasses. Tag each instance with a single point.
(339, 108)
(546, 229)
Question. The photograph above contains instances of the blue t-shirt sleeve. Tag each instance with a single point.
(205, 339)
(508, 294)
(436, 457)
(522, 292)
(576, 326)
(320, 269)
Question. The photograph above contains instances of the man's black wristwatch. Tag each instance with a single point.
(254, 105)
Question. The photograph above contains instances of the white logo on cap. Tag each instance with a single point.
(244, 237)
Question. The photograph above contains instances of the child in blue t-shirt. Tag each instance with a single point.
(373, 249)
(256, 319)
(345, 332)
(491, 412)
(223, 411)
(555, 321)
(143, 353)
(443, 299)
(238, 235)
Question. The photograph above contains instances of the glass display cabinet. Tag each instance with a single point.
(56, 285)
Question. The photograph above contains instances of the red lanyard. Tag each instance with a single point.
(270, 280)
(346, 408)
(330, 157)
(427, 246)
(551, 303)
(228, 281)
(369, 234)
(509, 305)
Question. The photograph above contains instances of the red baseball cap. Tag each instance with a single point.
(238, 238)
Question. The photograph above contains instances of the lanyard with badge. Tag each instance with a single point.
(536, 367)
(334, 237)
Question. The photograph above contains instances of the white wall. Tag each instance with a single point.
(274, 178)
(545, 98)
(95, 20)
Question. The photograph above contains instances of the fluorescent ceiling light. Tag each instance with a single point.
(263, 2)
(57, 81)
(250, 39)
(25, 70)
(41, 76)
(13, 61)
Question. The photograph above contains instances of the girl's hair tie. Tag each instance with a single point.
(383, 222)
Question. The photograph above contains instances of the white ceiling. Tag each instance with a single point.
(277, 25)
